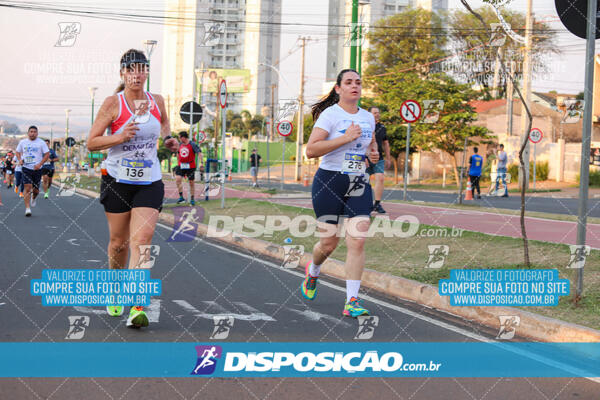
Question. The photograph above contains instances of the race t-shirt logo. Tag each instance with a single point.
(207, 359)
(184, 152)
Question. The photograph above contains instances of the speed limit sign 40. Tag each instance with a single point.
(535, 136)
(284, 128)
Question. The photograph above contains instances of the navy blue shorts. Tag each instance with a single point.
(32, 177)
(337, 195)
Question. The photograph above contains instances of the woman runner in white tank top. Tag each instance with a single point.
(132, 190)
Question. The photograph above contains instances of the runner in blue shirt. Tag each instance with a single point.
(48, 170)
(475, 164)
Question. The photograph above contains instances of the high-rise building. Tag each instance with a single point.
(370, 11)
(223, 39)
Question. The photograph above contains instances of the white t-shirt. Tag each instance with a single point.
(335, 121)
(18, 167)
(32, 151)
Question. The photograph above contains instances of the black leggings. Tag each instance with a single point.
(475, 183)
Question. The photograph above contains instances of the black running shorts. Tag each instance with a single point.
(122, 197)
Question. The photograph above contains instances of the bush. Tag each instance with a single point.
(542, 170)
(594, 178)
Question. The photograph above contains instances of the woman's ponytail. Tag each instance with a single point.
(332, 98)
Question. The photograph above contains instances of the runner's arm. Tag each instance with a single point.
(318, 146)
(107, 113)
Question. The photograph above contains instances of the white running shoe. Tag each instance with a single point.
(33, 202)
(28, 212)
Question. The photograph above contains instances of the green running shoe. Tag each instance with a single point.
(354, 308)
(115, 311)
(309, 285)
(137, 317)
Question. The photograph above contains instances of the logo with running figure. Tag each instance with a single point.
(77, 325)
(186, 223)
(437, 255)
(578, 255)
(223, 324)
(68, 34)
(366, 326)
(508, 326)
(148, 254)
(207, 359)
(357, 186)
(292, 255)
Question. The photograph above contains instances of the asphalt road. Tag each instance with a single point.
(201, 280)
(551, 202)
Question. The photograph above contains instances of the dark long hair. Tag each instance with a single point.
(131, 56)
(331, 98)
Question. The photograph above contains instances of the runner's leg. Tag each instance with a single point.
(118, 227)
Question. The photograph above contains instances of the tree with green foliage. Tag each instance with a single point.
(453, 126)
(412, 38)
(244, 124)
(475, 63)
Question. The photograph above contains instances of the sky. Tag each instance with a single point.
(41, 80)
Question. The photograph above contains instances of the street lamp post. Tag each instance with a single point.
(93, 95)
(150, 44)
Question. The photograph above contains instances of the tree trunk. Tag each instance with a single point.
(455, 167)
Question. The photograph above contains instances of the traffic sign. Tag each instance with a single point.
(223, 93)
(70, 141)
(201, 137)
(410, 111)
(535, 136)
(190, 112)
(573, 15)
(284, 128)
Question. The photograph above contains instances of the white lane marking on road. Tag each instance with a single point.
(72, 241)
(153, 310)
(317, 316)
(256, 316)
(93, 261)
(1, 304)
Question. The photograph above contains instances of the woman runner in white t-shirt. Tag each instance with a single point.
(342, 136)
(132, 191)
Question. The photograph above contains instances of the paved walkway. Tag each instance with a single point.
(546, 230)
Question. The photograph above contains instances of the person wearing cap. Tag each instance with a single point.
(132, 190)
(254, 164)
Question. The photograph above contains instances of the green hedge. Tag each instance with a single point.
(542, 170)
(594, 178)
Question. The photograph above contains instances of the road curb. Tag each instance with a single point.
(532, 326)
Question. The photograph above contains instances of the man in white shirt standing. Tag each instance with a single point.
(32, 154)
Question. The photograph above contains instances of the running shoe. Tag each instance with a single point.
(115, 311)
(181, 200)
(21, 194)
(28, 212)
(354, 308)
(16, 189)
(33, 202)
(46, 195)
(378, 208)
(309, 285)
(137, 317)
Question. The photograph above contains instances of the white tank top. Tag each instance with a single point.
(141, 150)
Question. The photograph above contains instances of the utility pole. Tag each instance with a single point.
(354, 32)
(527, 70)
(271, 128)
(300, 128)
(509, 100)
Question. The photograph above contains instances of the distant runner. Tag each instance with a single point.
(32, 153)
(377, 170)
(48, 170)
(186, 158)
